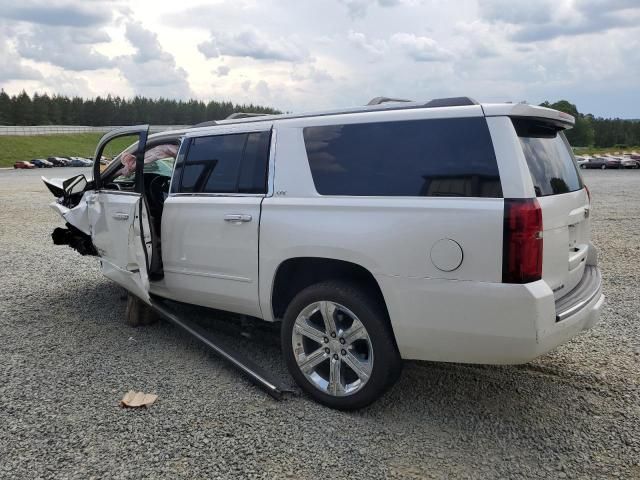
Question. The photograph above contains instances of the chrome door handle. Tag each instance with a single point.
(237, 217)
(121, 216)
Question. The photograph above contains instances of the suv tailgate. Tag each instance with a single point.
(563, 199)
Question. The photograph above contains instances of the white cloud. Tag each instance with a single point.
(14, 69)
(252, 44)
(284, 52)
(58, 13)
(151, 70)
(71, 48)
(223, 71)
(420, 48)
(510, 11)
(359, 8)
(375, 47)
(548, 19)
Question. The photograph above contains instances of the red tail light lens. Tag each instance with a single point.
(522, 242)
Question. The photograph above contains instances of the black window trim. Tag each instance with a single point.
(189, 141)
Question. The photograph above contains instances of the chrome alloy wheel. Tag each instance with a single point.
(332, 348)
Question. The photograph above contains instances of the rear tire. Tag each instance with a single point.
(353, 359)
(138, 313)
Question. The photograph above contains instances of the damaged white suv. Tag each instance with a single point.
(447, 231)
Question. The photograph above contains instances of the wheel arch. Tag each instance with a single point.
(295, 274)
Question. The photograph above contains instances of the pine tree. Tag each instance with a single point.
(6, 117)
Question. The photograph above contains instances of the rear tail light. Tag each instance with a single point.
(522, 242)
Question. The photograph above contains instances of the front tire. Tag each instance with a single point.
(338, 345)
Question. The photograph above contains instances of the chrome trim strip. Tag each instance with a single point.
(575, 307)
(271, 168)
(118, 192)
(183, 194)
(208, 275)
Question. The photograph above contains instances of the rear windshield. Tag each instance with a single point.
(549, 157)
(449, 157)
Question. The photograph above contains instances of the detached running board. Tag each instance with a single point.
(256, 374)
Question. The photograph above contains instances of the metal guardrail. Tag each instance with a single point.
(26, 130)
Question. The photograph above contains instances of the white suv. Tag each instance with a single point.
(446, 231)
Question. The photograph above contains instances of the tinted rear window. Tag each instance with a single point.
(549, 157)
(440, 157)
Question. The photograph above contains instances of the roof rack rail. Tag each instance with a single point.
(244, 115)
(379, 100)
(208, 123)
(375, 104)
(450, 102)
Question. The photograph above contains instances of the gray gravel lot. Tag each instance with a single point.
(66, 359)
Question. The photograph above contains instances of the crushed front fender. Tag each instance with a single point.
(76, 239)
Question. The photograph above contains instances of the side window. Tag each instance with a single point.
(212, 164)
(235, 163)
(253, 174)
(450, 157)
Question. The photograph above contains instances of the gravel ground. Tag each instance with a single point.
(66, 359)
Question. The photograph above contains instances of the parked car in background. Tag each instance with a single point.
(25, 165)
(62, 162)
(633, 158)
(41, 163)
(79, 162)
(56, 161)
(627, 162)
(582, 159)
(613, 162)
(595, 162)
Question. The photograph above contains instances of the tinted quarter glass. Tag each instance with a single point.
(212, 164)
(253, 174)
(550, 160)
(177, 169)
(438, 157)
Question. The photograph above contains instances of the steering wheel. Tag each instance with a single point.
(157, 189)
(113, 186)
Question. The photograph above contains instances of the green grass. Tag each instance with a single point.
(17, 148)
(601, 150)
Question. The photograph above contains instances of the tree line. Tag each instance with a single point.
(42, 109)
(591, 131)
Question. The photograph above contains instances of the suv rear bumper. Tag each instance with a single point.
(581, 295)
(492, 323)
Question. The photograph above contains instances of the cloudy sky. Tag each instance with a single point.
(299, 55)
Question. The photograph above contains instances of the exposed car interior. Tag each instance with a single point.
(160, 157)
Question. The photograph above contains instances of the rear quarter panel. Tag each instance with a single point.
(390, 236)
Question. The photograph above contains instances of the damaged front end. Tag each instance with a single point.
(76, 239)
(71, 205)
